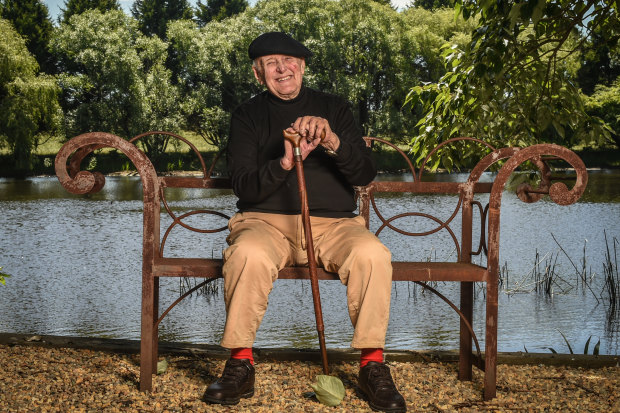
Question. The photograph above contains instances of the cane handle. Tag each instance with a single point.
(295, 138)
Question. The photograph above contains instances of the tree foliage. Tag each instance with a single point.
(364, 51)
(28, 102)
(114, 78)
(513, 84)
(30, 18)
(214, 74)
(153, 16)
(605, 103)
(384, 2)
(80, 6)
(434, 4)
(218, 10)
(600, 61)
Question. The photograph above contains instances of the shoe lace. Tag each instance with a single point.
(380, 375)
(234, 370)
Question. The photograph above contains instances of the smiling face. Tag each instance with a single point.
(281, 74)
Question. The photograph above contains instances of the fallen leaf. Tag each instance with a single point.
(162, 366)
(329, 390)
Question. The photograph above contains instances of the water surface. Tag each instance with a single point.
(75, 263)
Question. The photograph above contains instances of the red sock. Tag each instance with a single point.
(242, 353)
(371, 354)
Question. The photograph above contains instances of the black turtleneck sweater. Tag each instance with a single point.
(256, 145)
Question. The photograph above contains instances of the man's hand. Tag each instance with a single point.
(310, 128)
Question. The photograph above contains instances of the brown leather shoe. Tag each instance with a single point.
(237, 381)
(376, 382)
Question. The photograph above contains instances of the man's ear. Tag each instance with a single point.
(258, 74)
(303, 65)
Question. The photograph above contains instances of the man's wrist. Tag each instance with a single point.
(283, 164)
(331, 148)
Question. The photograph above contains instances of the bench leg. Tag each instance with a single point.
(465, 362)
(147, 330)
(155, 333)
(490, 356)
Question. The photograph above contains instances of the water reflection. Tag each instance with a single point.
(76, 262)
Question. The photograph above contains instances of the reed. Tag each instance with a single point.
(209, 289)
(611, 288)
(582, 273)
(586, 348)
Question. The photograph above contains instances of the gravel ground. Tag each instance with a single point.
(34, 379)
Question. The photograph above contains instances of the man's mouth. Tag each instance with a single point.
(284, 79)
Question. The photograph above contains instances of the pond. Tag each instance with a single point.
(75, 263)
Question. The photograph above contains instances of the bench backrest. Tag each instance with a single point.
(74, 151)
(382, 218)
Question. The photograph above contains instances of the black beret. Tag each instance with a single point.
(277, 43)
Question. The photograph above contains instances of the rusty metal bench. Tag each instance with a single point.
(156, 265)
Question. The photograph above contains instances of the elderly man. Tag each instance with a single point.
(266, 234)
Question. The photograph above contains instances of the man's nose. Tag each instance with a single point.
(280, 66)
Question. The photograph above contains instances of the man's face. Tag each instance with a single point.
(281, 74)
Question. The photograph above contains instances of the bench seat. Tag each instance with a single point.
(402, 271)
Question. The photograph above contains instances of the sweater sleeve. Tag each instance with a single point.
(354, 159)
(252, 181)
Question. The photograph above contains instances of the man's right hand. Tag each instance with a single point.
(287, 162)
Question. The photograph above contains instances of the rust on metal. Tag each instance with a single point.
(472, 198)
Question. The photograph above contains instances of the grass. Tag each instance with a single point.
(611, 289)
(595, 350)
(177, 157)
(51, 145)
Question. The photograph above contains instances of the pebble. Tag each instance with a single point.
(71, 380)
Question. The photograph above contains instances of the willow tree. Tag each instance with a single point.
(28, 101)
(114, 78)
(30, 18)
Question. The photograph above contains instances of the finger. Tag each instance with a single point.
(302, 125)
(322, 130)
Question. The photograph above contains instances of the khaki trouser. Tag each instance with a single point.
(261, 244)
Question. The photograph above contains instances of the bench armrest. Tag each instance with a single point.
(71, 154)
(557, 191)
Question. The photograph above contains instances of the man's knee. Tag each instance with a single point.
(248, 259)
(372, 251)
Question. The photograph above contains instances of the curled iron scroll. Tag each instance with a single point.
(72, 153)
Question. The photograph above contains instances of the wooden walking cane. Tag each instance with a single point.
(295, 139)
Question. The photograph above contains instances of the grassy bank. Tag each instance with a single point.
(180, 157)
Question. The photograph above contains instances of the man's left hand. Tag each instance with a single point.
(312, 128)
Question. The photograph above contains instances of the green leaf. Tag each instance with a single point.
(457, 10)
(3, 276)
(329, 390)
(566, 341)
(558, 127)
(585, 349)
(596, 348)
(162, 366)
(538, 11)
(514, 14)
